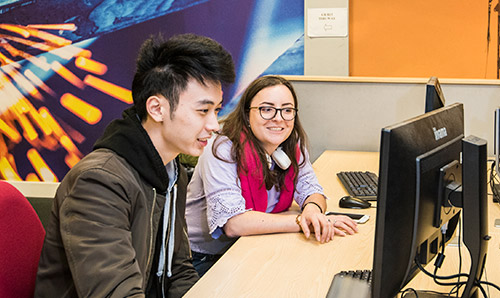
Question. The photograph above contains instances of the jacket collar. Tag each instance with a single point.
(128, 138)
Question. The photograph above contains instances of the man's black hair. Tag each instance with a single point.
(165, 67)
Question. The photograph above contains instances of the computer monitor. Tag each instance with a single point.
(434, 97)
(420, 169)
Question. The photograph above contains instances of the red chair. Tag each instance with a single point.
(21, 240)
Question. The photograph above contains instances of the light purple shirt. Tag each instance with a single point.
(214, 196)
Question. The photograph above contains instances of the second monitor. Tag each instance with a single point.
(434, 97)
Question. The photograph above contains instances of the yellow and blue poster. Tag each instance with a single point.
(67, 66)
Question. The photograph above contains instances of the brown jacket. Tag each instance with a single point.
(101, 237)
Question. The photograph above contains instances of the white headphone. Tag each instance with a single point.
(281, 159)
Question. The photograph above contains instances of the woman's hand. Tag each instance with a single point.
(343, 224)
(325, 227)
(313, 220)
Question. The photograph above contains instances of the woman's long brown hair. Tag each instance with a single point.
(238, 121)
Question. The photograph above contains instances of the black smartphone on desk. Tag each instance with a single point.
(359, 218)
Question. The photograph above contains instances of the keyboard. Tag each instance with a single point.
(349, 284)
(360, 184)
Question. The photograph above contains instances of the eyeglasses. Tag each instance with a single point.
(268, 113)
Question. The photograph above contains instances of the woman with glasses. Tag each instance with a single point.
(248, 176)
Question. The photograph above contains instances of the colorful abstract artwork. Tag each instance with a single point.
(67, 66)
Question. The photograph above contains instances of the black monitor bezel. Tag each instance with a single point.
(396, 223)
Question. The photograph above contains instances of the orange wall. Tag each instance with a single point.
(444, 38)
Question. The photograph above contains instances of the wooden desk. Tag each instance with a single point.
(289, 265)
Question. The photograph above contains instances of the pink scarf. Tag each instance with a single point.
(253, 187)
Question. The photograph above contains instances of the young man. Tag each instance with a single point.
(117, 227)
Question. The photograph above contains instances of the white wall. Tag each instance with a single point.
(348, 113)
(325, 55)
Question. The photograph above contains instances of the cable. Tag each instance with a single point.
(482, 289)
(494, 180)
(448, 198)
(490, 284)
(415, 292)
(486, 279)
(459, 244)
(455, 289)
(440, 256)
(457, 284)
(442, 277)
(403, 293)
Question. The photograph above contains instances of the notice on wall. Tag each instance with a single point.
(327, 22)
